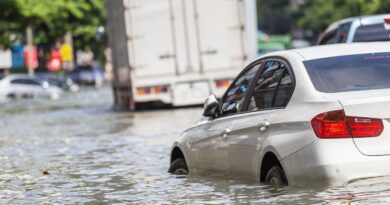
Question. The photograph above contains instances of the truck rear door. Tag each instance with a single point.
(150, 39)
(220, 28)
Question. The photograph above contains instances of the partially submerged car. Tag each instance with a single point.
(357, 29)
(310, 116)
(23, 86)
(65, 83)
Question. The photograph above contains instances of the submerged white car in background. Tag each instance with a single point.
(23, 86)
(311, 116)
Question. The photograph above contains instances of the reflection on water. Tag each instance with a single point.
(95, 155)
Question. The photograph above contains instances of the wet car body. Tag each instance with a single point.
(24, 86)
(65, 83)
(315, 136)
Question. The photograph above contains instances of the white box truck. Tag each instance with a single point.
(181, 51)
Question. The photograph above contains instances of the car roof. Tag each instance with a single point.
(19, 76)
(332, 50)
(364, 20)
(374, 19)
(336, 24)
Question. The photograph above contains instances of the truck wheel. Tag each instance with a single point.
(276, 176)
(178, 167)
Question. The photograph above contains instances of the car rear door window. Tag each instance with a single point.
(233, 100)
(273, 88)
(374, 32)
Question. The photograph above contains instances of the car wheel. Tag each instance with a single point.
(11, 96)
(276, 176)
(178, 167)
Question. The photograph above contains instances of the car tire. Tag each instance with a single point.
(11, 96)
(276, 176)
(178, 167)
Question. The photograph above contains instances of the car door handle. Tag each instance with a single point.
(263, 125)
(225, 133)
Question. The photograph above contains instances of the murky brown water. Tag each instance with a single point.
(97, 156)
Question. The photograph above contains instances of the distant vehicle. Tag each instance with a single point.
(65, 83)
(87, 75)
(23, 86)
(357, 29)
(316, 115)
(182, 51)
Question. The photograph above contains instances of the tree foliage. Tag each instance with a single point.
(318, 14)
(272, 16)
(51, 19)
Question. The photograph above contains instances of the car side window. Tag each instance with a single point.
(343, 32)
(25, 82)
(329, 38)
(234, 97)
(273, 88)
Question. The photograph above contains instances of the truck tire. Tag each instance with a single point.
(276, 176)
(178, 167)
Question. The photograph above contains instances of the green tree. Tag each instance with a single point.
(9, 22)
(51, 19)
(272, 16)
(318, 14)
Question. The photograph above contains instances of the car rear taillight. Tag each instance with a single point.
(387, 19)
(335, 124)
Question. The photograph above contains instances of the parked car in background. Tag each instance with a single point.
(23, 86)
(316, 115)
(357, 29)
(87, 75)
(65, 83)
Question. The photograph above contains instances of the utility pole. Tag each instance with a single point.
(30, 48)
(118, 41)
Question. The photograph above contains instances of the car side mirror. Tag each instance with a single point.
(231, 108)
(210, 106)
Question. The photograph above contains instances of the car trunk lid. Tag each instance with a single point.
(373, 107)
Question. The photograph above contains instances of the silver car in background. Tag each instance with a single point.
(311, 116)
(23, 86)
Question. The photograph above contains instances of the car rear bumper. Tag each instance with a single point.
(333, 162)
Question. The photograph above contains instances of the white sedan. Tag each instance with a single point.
(24, 86)
(318, 115)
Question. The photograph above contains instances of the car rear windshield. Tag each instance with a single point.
(374, 32)
(350, 73)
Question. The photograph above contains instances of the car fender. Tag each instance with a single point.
(281, 150)
(260, 158)
(184, 147)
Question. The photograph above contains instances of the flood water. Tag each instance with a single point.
(97, 156)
